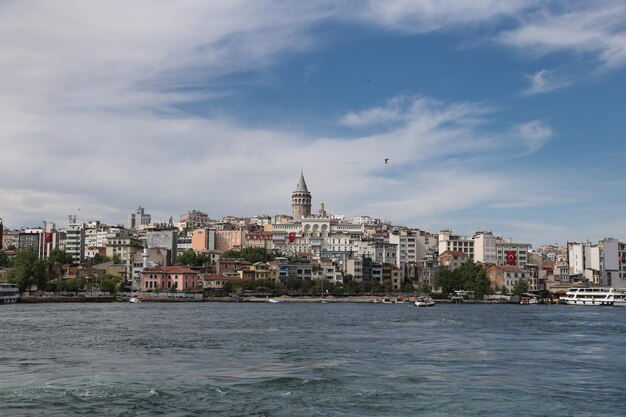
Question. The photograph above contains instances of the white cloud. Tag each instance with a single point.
(597, 28)
(88, 104)
(543, 81)
(428, 15)
(533, 134)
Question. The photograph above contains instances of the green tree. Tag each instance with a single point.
(408, 287)
(250, 254)
(26, 269)
(447, 280)
(74, 284)
(189, 258)
(425, 288)
(107, 285)
(117, 259)
(4, 260)
(468, 277)
(59, 257)
(97, 259)
(520, 287)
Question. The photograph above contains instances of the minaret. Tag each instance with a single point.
(301, 200)
(144, 255)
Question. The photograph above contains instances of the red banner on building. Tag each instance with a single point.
(48, 237)
(511, 258)
(292, 237)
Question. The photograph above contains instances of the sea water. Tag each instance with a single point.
(311, 359)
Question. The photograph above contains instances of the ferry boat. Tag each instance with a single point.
(9, 293)
(595, 297)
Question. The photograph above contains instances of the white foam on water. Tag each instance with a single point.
(153, 392)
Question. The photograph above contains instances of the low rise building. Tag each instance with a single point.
(172, 278)
(453, 259)
(505, 276)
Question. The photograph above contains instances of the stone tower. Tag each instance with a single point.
(301, 200)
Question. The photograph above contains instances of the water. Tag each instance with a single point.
(228, 359)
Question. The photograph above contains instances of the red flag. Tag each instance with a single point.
(48, 237)
(511, 258)
(292, 237)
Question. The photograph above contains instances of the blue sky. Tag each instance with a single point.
(505, 116)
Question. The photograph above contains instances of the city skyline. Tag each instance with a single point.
(503, 117)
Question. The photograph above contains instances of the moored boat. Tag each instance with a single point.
(597, 296)
(9, 293)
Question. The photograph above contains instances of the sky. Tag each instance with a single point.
(502, 116)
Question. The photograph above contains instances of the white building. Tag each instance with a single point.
(322, 237)
(512, 254)
(377, 251)
(600, 264)
(411, 247)
(485, 248)
(75, 240)
(456, 243)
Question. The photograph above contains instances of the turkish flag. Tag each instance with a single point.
(48, 237)
(292, 237)
(511, 258)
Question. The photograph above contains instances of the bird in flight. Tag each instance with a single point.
(386, 161)
(367, 80)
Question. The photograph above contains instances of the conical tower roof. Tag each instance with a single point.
(302, 184)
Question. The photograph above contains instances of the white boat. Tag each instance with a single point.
(271, 300)
(424, 302)
(134, 300)
(9, 293)
(598, 296)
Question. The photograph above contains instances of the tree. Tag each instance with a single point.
(408, 287)
(4, 260)
(26, 269)
(425, 288)
(251, 254)
(447, 280)
(188, 257)
(468, 277)
(117, 259)
(520, 287)
(97, 259)
(74, 284)
(60, 257)
(191, 258)
(109, 283)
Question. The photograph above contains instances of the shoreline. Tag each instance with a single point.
(366, 299)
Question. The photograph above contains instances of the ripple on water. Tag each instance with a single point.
(300, 359)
